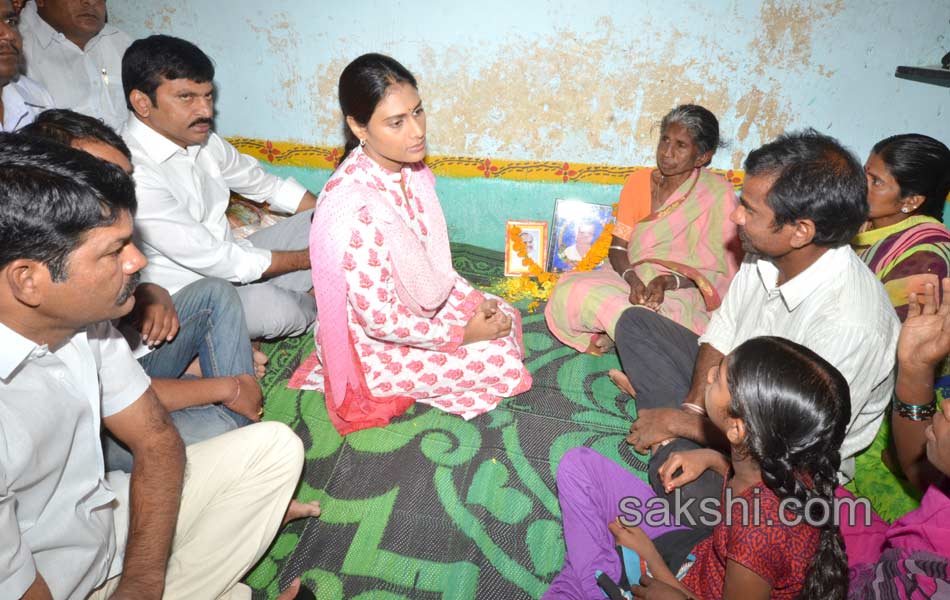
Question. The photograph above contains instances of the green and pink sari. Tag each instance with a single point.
(905, 257)
(690, 235)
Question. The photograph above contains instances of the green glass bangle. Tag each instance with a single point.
(915, 412)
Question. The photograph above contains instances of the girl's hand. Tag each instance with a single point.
(691, 464)
(633, 538)
(653, 589)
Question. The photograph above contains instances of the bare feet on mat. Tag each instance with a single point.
(300, 510)
(600, 344)
(260, 362)
(621, 381)
(291, 592)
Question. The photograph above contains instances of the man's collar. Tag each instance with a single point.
(158, 147)
(15, 350)
(800, 287)
(44, 32)
(15, 106)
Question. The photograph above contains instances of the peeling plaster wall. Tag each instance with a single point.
(563, 80)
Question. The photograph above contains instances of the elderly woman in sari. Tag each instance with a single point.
(671, 246)
(907, 246)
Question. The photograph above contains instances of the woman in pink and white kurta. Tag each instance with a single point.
(391, 308)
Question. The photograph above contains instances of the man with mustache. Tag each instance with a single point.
(22, 98)
(76, 55)
(804, 198)
(68, 528)
(184, 175)
(208, 311)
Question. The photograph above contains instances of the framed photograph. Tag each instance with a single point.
(534, 234)
(577, 224)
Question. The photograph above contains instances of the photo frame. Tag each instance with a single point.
(535, 236)
(573, 217)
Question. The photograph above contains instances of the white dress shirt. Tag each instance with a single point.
(88, 81)
(837, 308)
(23, 99)
(183, 194)
(55, 517)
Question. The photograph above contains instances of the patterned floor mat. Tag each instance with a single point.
(432, 506)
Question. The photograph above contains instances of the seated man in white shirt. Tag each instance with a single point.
(804, 198)
(184, 175)
(203, 321)
(69, 529)
(21, 98)
(76, 56)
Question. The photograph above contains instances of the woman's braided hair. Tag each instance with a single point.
(796, 407)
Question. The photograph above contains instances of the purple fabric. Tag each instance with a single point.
(590, 487)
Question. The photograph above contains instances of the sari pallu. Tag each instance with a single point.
(689, 235)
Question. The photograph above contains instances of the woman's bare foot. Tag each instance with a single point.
(621, 381)
(600, 344)
(292, 590)
(260, 363)
(300, 510)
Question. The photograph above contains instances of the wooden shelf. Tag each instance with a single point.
(932, 74)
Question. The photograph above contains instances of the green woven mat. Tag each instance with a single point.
(432, 506)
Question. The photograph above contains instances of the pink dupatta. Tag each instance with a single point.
(422, 271)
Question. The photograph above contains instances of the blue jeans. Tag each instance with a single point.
(212, 327)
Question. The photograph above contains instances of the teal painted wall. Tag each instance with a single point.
(478, 208)
(569, 81)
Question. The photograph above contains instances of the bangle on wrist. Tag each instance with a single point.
(676, 281)
(621, 248)
(914, 412)
(237, 391)
(694, 408)
(625, 271)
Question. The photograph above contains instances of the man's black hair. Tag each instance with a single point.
(151, 60)
(68, 127)
(817, 179)
(50, 196)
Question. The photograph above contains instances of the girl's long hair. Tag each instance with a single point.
(796, 407)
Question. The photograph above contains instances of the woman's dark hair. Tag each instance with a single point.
(363, 84)
(50, 195)
(816, 178)
(796, 407)
(921, 167)
(151, 60)
(702, 125)
(68, 127)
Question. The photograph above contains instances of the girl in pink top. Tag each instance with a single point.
(397, 324)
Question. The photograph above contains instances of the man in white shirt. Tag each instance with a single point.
(804, 198)
(204, 321)
(21, 98)
(69, 529)
(76, 56)
(184, 176)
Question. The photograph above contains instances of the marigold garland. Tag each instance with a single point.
(538, 283)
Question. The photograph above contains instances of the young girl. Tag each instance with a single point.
(397, 324)
(784, 411)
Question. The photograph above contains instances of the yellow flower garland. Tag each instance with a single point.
(538, 283)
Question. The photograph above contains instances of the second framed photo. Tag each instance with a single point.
(577, 224)
(534, 235)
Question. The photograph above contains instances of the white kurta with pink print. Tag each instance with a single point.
(401, 352)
